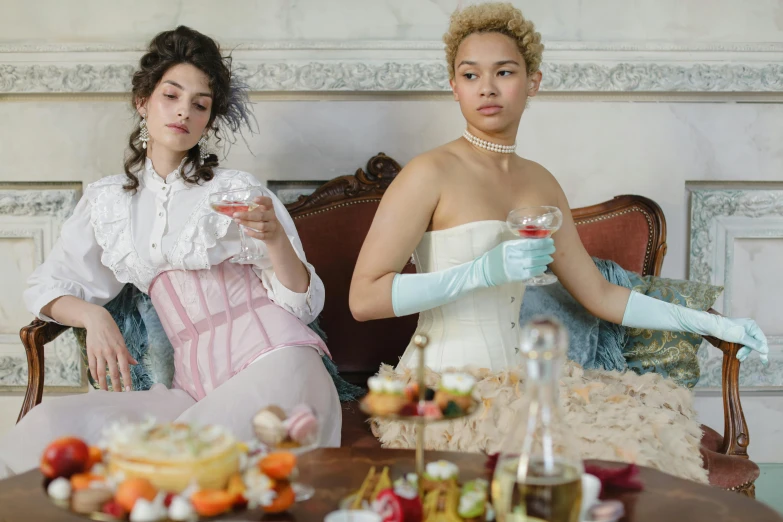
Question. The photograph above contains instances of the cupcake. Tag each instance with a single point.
(386, 396)
(456, 388)
(439, 475)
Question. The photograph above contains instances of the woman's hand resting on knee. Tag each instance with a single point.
(106, 347)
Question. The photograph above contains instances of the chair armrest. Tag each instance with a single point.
(34, 336)
(736, 437)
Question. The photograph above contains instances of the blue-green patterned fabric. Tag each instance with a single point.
(672, 354)
(595, 343)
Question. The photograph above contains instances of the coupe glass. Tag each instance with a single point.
(240, 200)
(536, 223)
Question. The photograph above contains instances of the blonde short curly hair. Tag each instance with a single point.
(495, 17)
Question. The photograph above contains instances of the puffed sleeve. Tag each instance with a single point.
(72, 268)
(307, 305)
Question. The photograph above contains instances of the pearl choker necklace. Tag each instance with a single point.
(488, 145)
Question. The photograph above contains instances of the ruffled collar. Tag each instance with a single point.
(152, 177)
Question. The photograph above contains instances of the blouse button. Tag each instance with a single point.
(160, 214)
(154, 245)
(162, 188)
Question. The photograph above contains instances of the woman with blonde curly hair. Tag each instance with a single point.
(448, 208)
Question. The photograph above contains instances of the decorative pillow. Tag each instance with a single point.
(595, 343)
(671, 354)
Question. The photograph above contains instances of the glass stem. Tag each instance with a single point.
(243, 250)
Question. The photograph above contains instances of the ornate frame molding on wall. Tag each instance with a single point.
(410, 66)
(718, 216)
(37, 211)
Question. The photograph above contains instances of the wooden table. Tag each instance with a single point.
(337, 472)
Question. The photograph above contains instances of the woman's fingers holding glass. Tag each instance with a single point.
(259, 210)
(542, 246)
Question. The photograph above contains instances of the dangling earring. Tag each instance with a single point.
(144, 134)
(202, 148)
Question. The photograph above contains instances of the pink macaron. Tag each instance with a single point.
(302, 425)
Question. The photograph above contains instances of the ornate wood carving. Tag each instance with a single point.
(736, 436)
(34, 337)
(372, 183)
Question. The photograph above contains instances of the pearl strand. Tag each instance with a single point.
(494, 147)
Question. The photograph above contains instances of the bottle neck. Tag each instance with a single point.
(542, 378)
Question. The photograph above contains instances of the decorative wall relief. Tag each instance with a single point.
(31, 216)
(411, 66)
(737, 241)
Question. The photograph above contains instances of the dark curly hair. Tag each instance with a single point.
(229, 96)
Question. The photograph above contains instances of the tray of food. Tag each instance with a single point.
(149, 472)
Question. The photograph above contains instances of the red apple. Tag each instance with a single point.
(65, 457)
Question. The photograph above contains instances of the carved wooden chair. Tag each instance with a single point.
(333, 222)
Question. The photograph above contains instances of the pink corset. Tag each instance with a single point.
(219, 321)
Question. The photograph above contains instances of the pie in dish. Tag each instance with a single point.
(173, 456)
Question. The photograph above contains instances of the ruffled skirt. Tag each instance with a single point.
(615, 416)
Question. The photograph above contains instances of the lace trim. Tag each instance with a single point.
(205, 227)
(110, 220)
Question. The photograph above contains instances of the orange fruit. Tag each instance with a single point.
(131, 490)
(278, 466)
(212, 502)
(83, 480)
(284, 500)
(95, 456)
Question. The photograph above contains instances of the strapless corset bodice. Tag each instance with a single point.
(480, 328)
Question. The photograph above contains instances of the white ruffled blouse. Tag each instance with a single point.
(116, 237)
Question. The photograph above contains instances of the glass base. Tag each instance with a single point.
(302, 492)
(245, 259)
(546, 278)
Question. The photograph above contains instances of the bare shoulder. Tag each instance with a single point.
(538, 172)
(540, 176)
(425, 170)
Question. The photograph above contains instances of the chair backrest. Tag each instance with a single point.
(334, 220)
(629, 230)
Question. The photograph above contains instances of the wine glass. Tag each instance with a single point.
(239, 200)
(536, 223)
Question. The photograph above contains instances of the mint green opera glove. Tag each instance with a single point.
(646, 312)
(510, 261)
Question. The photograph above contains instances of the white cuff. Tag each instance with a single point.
(49, 295)
(297, 301)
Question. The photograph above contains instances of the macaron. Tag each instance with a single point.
(302, 425)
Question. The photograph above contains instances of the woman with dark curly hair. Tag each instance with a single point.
(238, 329)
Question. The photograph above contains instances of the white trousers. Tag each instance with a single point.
(286, 377)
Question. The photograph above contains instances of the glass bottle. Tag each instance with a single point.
(539, 470)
